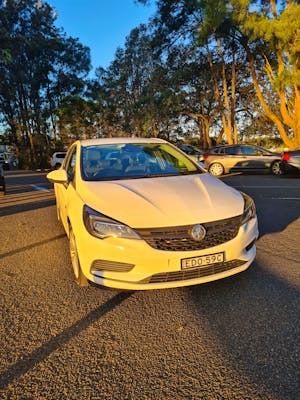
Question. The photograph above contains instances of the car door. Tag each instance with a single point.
(253, 158)
(232, 157)
(64, 192)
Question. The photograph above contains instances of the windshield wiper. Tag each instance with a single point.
(122, 178)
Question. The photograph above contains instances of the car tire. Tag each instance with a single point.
(276, 168)
(80, 279)
(216, 169)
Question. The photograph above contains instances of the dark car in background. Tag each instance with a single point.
(221, 160)
(2, 181)
(291, 161)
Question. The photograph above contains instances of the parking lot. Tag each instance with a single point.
(233, 339)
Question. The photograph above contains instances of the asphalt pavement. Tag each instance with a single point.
(233, 339)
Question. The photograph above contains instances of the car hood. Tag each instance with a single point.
(163, 201)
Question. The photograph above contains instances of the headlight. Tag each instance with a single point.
(249, 209)
(103, 227)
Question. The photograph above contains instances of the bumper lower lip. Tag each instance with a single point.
(117, 284)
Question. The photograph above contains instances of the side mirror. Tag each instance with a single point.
(58, 176)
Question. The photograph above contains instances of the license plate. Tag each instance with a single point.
(202, 261)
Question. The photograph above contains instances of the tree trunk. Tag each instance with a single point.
(269, 113)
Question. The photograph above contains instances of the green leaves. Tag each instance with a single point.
(39, 65)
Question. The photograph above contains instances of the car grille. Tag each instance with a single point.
(178, 238)
(105, 265)
(193, 273)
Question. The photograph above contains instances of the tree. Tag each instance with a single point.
(78, 119)
(41, 65)
(132, 93)
(277, 27)
(186, 21)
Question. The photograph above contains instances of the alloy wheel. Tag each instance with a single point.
(276, 168)
(216, 169)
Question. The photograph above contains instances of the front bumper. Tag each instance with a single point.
(149, 268)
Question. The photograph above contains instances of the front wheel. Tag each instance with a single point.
(216, 169)
(78, 274)
(276, 168)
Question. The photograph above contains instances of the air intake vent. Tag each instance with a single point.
(106, 265)
(194, 273)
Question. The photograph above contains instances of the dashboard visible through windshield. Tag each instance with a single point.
(134, 160)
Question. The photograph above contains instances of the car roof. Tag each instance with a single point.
(121, 140)
(234, 145)
(222, 146)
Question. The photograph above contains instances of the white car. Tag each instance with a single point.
(57, 159)
(8, 160)
(140, 214)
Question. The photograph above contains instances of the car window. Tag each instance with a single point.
(134, 160)
(231, 150)
(219, 150)
(70, 164)
(250, 151)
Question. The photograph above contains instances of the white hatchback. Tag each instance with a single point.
(57, 159)
(141, 214)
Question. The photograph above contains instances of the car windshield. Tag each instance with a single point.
(134, 160)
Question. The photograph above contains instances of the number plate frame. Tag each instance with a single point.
(202, 261)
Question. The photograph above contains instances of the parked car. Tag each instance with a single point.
(291, 160)
(140, 214)
(57, 159)
(8, 160)
(241, 157)
(2, 180)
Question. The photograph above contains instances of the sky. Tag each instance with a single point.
(102, 25)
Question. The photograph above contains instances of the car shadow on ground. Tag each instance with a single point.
(32, 205)
(272, 219)
(277, 202)
(254, 317)
(31, 246)
(22, 197)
